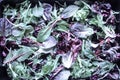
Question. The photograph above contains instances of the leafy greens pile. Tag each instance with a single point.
(60, 42)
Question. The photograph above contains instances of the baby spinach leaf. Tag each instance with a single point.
(47, 46)
(47, 11)
(81, 31)
(49, 43)
(27, 51)
(69, 11)
(44, 34)
(62, 26)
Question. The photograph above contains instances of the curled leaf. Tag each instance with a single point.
(47, 11)
(109, 32)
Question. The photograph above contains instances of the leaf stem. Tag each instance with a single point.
(10, 21)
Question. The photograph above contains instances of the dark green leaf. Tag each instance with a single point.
(62, 28)
(44, 34)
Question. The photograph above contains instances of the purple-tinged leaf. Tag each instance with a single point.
(47, 11)
(69, 11)
(81, 31)
(63, 75)
(49, 43)
(5, 27)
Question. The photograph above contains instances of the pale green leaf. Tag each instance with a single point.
(38, 11)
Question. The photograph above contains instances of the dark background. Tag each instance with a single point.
(115, 6)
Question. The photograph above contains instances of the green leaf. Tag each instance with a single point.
(69, 11)
(98, 21)
(81, 15)
(47, 68)
(27, 52)
(12, 72)
(10, 12)
(62, 28)
(44, 34)
(67, 60)
(18, 70)
(86, 32)
(49, 43)
(109, 31)
(86, 63)
(87, 51)
(82, 68)
(104, 67)
(50, 65)
(38, 11)
(20, 54)
(47, 46)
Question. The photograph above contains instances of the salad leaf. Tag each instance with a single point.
(63, 75)
(44, 34)
(69, 11)
(5, 27)
(81, 31)
(38, 11)
(49, 43)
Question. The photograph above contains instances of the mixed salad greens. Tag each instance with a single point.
(60, 42)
